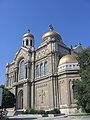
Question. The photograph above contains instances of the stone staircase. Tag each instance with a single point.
(10, 111)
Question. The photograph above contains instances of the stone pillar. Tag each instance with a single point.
(26, 96)
(33, 86)
(16, 74)
(71, 93)
(27, 70)
(68, 93)
(7, 78)
(33, 95)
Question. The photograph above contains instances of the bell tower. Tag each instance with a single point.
(28, 40)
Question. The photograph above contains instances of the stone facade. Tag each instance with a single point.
(37, 77)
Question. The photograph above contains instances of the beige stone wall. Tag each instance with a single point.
(43, 94)
(66, 97)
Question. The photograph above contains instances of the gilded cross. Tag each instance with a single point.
(42, 96)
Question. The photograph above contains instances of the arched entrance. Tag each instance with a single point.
(20, 100)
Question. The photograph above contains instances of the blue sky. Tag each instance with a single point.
(71, 18)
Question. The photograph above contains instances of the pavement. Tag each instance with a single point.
(34, 117)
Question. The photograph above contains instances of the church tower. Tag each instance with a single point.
(28, 40)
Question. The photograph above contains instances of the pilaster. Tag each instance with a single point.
(26, 96)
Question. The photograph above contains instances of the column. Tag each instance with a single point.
(33, 85)
(27, 96)
(27, 70)
(16, 74)
(68, 93)
(7, 78)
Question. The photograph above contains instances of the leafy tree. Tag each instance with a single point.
(8, 99)
(82, 87)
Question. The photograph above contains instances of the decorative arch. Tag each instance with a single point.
(20, 100)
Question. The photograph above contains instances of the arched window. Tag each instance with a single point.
(30, 42)
(27, 42)
(41, 70)
(45, 68)
(37, 71)
(22, 67)
(23, 43)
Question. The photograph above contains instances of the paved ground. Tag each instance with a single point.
(55, 118)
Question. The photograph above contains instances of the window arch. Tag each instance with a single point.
(22, 68)
(45, 68)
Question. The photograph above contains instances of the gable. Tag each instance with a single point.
(23, 53)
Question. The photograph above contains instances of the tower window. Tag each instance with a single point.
(31, 43)
(26, 42)
(23, 43)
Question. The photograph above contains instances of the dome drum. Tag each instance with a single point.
(68, 62)
(28, 40)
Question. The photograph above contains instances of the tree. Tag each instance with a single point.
(8, 99)
(82, 87)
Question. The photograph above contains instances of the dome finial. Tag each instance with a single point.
(51, 27)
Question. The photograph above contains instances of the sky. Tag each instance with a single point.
(70, 18)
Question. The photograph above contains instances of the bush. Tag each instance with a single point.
(41, 112)
(31, 111)
(54, 111)
(45, 115)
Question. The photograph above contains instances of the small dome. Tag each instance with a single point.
(50, 34)
(68, 59)
(28, 34)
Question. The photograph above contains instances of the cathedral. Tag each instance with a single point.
(42, 78)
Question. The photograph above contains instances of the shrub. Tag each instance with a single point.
(54, 111)
(31, 111)
(45, 115)
(41, 112)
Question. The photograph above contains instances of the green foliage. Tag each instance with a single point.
(41, 112)
(33, 111)
(54, 111)
(8, 99)
(82, 87)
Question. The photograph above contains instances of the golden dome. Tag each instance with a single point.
(68, 59)
(50, 34)
(28, 34)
